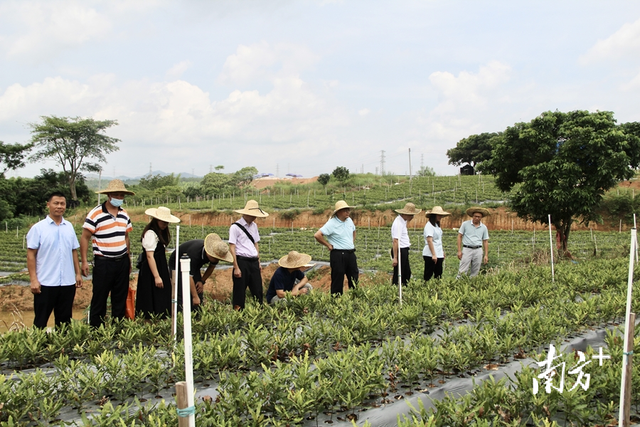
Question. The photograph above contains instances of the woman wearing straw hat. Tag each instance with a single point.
(339, 236)
(473, 240)
(433, 253)
(209, 251)
(401, 242)
(285, 277)
(243, 244)
(107, 226)
(153, 296)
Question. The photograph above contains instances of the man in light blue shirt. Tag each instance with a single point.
(473, 240)
(339, 235)
(52, 261)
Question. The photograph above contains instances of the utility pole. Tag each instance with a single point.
(150, 168)
(410, 176)
(421, 160)
(381, 162)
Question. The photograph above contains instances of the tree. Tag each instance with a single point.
(323, 179)
(12, 156)
(71, 141)
(563, 163)
(215, 183)
(158, 181)
(426, 171)
(474, 149)
(341, 173)
(244, 176)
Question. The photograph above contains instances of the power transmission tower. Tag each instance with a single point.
(381, 162)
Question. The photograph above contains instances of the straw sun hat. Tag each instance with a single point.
(437, 210)
(252, 209)
(294, 260)
(115, 186)
(163, 214)
(409, 209)
(341, 204)
(478, 209)
(215, 247)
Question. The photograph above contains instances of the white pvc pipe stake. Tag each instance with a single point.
(553, 277)
(174, 300)
(626, 356)
(399, 274)
(188, 354)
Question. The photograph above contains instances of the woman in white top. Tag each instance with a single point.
(153, 296)
(433, 253)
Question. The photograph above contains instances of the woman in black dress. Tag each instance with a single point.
(153, 297)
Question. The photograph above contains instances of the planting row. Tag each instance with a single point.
(314, 354)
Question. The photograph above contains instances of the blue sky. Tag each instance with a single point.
(305, 86)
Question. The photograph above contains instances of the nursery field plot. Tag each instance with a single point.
(440, 190)
(319, 358)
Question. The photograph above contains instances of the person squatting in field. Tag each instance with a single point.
(472, 237)
(289, 278)
(339, 235)
(52, 262)
(401, 242)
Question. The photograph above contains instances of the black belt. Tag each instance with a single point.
(108, 258)
(344, 250)
(247, 258)
(472, 247)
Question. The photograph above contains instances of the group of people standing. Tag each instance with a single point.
(472, 236)
(56, 270)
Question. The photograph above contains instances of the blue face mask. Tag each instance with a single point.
(116, 202)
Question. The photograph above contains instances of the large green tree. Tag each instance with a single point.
(71, 141)
(341, 173)
(473, 150)
(562, 164)
(12, 156)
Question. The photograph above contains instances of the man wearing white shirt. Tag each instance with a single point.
(52, 261)
(243, 245)
(401, 242)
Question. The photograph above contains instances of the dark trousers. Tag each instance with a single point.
(249, 277)
(432, 269)
(58, 299)
(406, 268)
(343, 262)
(110, 276)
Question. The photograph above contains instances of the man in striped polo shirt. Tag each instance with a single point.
(108, 226)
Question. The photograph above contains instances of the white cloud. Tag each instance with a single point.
(263, 62)
(364, 112)
(180, 123)
(463, 100)
(178, 69)
(624, 43)
(45, 27)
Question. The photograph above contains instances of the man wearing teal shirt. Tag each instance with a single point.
(339, 235)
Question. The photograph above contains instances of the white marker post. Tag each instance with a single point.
(174, 290)
(627, 349)
(553, 277)
(399, 274)
(185, 263)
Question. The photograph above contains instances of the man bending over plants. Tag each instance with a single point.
(285, 277)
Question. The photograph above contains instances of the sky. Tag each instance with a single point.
(305, 86)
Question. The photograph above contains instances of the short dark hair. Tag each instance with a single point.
(56, 194)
